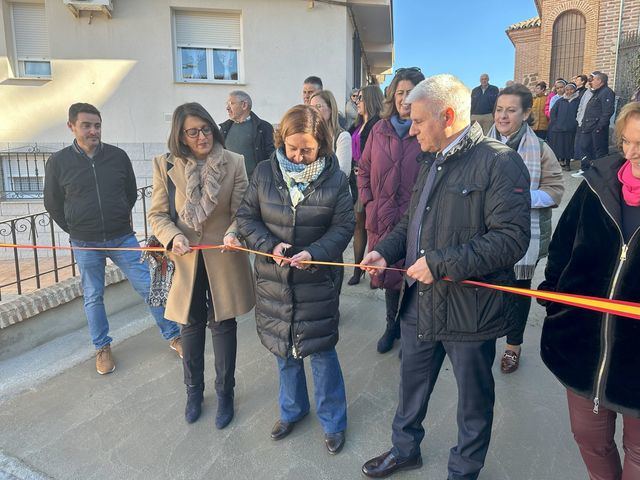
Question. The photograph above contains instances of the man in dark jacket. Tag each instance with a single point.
(483, 99)
(246, 133)
(468, 219)
(593, 133)
(89, 191)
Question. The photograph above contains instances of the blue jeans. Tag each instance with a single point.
(329, 392)
(92, 268)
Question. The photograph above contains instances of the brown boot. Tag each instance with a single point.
(176, 345)
(104, 360)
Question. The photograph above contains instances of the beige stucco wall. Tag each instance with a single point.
(125, 67)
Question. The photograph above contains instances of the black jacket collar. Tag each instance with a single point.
(602, 178)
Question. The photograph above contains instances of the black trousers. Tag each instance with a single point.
(391, 300)
(522, 305)
(419, 369)
(194, 335)
(591, 145)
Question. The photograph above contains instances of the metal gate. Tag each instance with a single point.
(628, 69)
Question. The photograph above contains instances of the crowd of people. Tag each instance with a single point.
(572, 116)
(446, 183)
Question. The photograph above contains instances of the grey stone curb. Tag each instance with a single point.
(31, 304)
(14, 469)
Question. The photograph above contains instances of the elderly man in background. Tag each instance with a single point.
(246, 133)
(483, 99)
(469, 218)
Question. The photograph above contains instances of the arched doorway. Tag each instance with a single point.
(567, 46)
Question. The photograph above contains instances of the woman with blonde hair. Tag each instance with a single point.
(595, 251)
(326, 104)
(197, 189)
(298, 208)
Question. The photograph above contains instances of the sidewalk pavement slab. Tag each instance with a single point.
(77, 425)
(130, 424)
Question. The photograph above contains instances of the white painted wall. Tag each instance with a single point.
(124, 66)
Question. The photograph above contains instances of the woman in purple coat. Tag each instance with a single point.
(388, 170)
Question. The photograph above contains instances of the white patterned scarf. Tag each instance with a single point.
(298, 176)
(203, 185)
(527, 144)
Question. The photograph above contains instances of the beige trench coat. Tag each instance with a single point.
(229, 273)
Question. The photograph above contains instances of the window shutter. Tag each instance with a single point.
(30, 29)
(208, 29)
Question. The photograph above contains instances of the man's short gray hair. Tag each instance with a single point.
(242, 96)
(442, 91)
(602, 76)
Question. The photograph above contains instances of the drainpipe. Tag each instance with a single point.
(615, 65)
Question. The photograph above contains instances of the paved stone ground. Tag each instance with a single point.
(130, 425)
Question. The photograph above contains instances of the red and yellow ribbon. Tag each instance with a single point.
(615, 307)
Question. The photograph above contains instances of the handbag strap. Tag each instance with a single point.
(171, 191)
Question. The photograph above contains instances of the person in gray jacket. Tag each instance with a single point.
(246, 133)
(468, 218)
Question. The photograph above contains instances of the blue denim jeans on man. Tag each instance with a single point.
(329, 392)
(92, 271)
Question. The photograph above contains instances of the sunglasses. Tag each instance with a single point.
(408, 69)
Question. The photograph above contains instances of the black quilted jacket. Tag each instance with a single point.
(476, 226)
(297, 310)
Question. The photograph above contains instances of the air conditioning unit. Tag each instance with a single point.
(77, 6)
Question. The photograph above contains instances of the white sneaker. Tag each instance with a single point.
(578, 174)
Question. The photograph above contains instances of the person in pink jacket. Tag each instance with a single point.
(388, 169)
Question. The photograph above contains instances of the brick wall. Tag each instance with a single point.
(551, 10)
(608, 37)
(527, 44)
(533, 56)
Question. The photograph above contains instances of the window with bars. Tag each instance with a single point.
(567, 46)
(208, 46)
(22, 175)
(31, 40)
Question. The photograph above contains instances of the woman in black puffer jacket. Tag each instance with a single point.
(298, 206)
(595, 251)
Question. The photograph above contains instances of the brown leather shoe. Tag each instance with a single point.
(175, 344)
(104, 360)
(510, 361)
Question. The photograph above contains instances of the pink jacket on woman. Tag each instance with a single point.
(388, 169)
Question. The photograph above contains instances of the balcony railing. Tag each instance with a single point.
(29, 269)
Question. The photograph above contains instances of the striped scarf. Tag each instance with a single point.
(527, 144)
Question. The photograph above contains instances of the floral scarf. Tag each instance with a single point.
(203, 186)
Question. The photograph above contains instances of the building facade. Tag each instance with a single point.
(571, 37)
(136, 60)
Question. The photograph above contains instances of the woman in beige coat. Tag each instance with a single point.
(512, 114)
(209, 286)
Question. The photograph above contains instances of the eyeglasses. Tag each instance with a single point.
(195, 132)
(358, 98)
(408, 69)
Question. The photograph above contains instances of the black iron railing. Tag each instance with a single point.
(22, 174)
(34, 267)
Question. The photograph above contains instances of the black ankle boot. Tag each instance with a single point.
(391, 333)
(194, 402)
(355, 278)
(224, 415)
